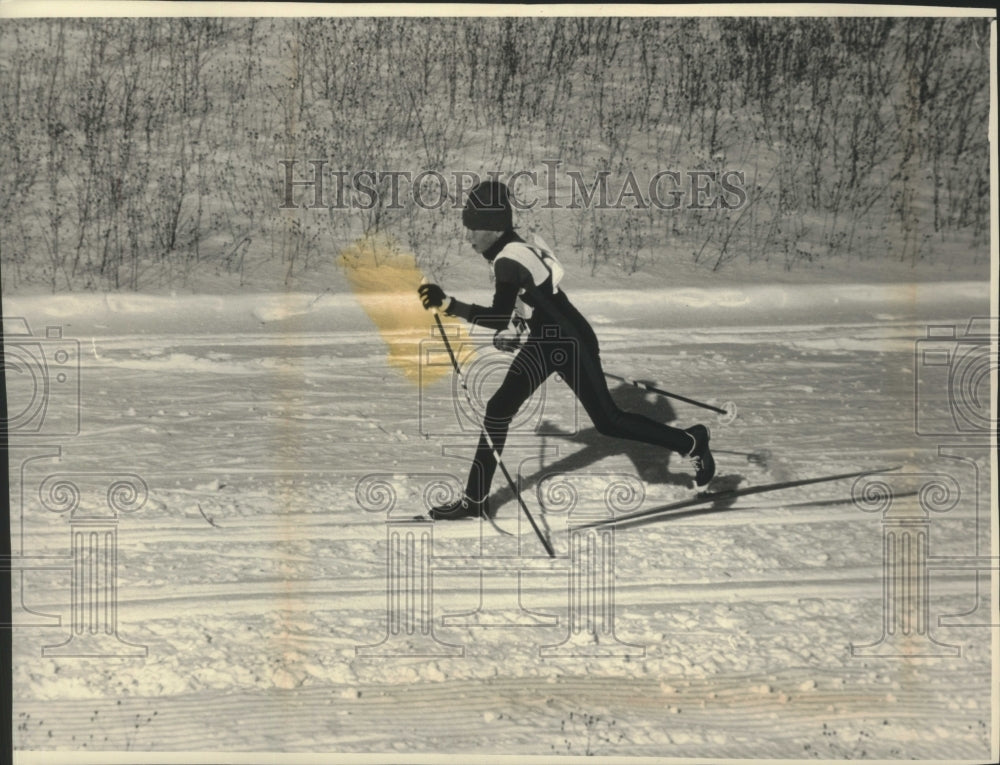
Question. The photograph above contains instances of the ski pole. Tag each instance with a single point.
(496, 455)
(729, 411)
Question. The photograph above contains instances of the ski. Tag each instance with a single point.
(709, 498)
(498, 529)
(493, 523)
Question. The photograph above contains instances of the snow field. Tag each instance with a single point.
(253, 575)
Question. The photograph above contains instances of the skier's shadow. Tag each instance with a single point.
(651, 463)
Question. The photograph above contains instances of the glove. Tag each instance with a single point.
(506, 341)
(432, 296)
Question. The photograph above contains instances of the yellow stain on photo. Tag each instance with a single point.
(384, 278)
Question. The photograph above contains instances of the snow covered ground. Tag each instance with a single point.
(282, 453)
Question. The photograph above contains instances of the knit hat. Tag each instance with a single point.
(488, 208)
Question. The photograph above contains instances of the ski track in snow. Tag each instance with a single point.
(253, 574)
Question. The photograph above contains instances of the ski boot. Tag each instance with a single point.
(462, 508)
(701, 456)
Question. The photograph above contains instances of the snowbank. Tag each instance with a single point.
(757, 305)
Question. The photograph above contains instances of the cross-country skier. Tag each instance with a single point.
(559, 340)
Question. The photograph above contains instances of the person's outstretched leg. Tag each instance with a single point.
(586, 378)
(525, 374)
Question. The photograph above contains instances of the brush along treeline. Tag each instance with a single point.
(146, 153)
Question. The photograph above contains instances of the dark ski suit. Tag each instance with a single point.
(560, 340)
